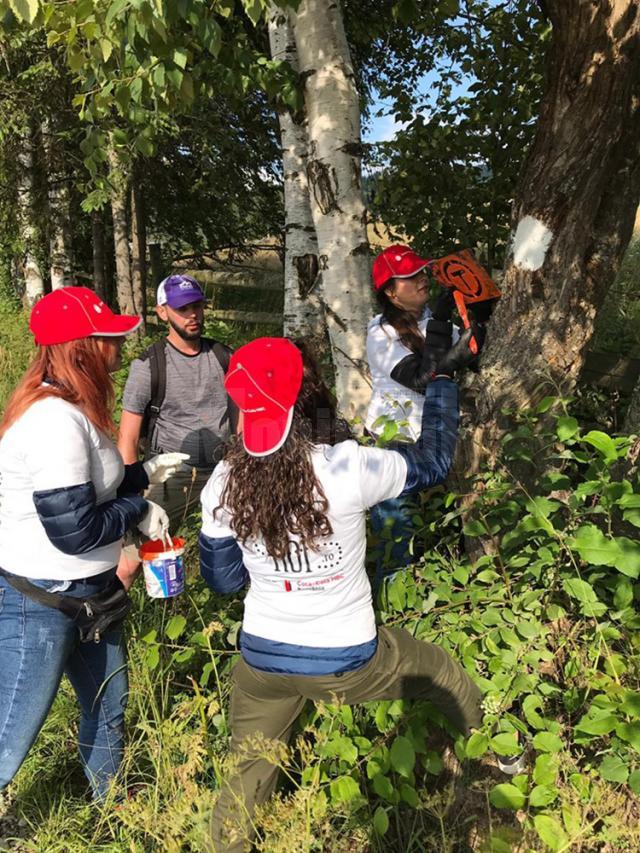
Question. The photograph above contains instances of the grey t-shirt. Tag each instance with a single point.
(194, 415)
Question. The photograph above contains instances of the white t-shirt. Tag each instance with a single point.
(51, 446)
(318, 598)
(389, 398)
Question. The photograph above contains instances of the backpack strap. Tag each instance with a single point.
(158, 367)
(223, 354)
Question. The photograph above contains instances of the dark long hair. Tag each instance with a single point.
(272, 497)
(402, 321)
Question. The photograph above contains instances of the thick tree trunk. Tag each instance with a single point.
(60, 228)
(333, 172)
(139, 254)
(33, 279)
(302, 309)
(124, 287)
(156, 263)
(572, 218)
(97, 239)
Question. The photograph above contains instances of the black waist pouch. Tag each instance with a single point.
(93, 616)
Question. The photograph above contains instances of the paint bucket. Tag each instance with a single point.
(163, 568)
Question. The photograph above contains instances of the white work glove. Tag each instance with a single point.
(155, 523)
(163, 466)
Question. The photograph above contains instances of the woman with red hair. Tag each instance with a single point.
(66, 501)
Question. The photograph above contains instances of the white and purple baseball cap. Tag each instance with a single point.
(178, 290)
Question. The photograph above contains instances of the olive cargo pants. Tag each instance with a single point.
(268, 704)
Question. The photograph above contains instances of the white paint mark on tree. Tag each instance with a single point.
(530, 243)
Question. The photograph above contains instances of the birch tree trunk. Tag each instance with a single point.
(572, 218)
(139, 254)
(59, 192)
(124, 288)
(337, 206)
(302, 309)
(97, 241)
(33, 279)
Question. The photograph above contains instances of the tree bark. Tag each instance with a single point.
(631, 423)
(59, 192)
(337, 206)
(97, 239)
(139, 254)
(32, 274)
(302, 308)
(156, 262)
(572, 218)
(124, 287)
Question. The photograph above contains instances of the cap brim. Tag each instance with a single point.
(417, 267)
(118, 326)
(263, 435)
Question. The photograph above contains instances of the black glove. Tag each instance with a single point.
(444, 305)
(414, 371)
(457, 358)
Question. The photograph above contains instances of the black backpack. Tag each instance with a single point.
(156, 354)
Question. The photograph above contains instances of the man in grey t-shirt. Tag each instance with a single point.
(194, 416)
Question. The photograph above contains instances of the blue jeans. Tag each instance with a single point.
(37, 646)
(392, 522)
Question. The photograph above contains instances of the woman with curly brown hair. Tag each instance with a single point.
(287, 514)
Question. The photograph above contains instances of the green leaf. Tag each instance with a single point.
(254, 10)
(382, 786)
(594, 547)
(152, 657)
(547, 742)
(180, 57)
(614, 769)
(175, 627)
(545, 770)
(106, 48)
(628, 560)
(630, 732)
(25, 10)
(603, 443)
(579, 589)
(597, 722)
(530, 711)
(542, 795)
(506, 744)
(380, 821)
(409, 795)
(631, 704)
(550, 831)
(623, 595)
(507, 796)
(566, 427)
(342, 747)
(402, 755)
(474, 528)
(344, 789)
(477, 745)
(634, 781)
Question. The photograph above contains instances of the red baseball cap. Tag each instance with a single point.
(71, 313)
(264, 380)
(396, 262)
